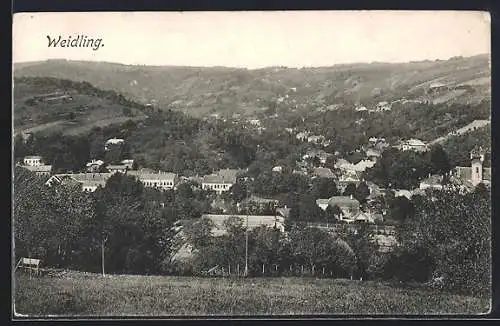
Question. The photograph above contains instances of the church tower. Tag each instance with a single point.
(477, 159)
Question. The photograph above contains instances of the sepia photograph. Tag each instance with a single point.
(253, 163)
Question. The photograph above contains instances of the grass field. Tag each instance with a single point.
(168, 295)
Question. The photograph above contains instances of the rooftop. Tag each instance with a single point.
(415, 142)
(95, 162)
(261, 200)
(114, 141)
(143, 175)
(116, 167)
(342, 201)
(253, 221)
(324, 173)
(433, 180)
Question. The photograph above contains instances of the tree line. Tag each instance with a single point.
(128, 228)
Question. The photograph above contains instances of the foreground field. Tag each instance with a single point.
(93, 295)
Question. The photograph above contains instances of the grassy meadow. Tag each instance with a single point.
(94, 295)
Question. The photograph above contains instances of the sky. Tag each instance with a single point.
(254, 39)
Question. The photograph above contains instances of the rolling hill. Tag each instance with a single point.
(43, 103)
(201, 91)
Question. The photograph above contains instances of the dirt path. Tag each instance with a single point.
(471, 126)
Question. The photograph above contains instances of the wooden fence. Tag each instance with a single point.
(274, 270)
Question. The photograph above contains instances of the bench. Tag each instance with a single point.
(29, 264)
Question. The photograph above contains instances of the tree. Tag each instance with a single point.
(238, 192)
(20, 149)
(439, 160)
(362, 192)
(333, 213)
(350, 190)
(317, 248)
(309, 210)
(266, 247)
(401, 209)
(324, 188)
(455, 229)
(199, 233)
(362, 243)
(50, 222)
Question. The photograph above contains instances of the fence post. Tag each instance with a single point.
(222, 271)
(229, 269)
(323, 271)
(312, 269)
(238, 267)
(263, 269)
(302, 270)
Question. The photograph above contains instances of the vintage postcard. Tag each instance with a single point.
(301, 163)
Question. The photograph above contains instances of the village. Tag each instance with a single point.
(270, 212)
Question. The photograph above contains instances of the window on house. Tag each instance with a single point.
(477, 170)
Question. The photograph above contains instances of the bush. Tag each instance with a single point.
(409, 264)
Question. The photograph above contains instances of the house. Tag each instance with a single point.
(88, 182)
(250, 221)
(383, 106)
(362, 165)
(258, 203)
(373, 154)
(160, 180)
(471, 176)
(255, 122)
(35, 164)
(283, 211)
(413, 145)
(128, 163)
(113, 141)
(348, 204)
(277, 169)
(302, 135)
(319, 153)
(217, 182)
(375, 190)
(323, 173)
(230, 173)
(432, 182)
(359, 217)
(94, 165)
(33, 161)
(347, 178)
(42, 170)
(315, 139)
(343, 164)
(117, 168)
(403, 193)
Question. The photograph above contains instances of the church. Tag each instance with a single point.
(471, 176)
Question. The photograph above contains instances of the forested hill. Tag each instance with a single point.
(170, 140)
(201, 91)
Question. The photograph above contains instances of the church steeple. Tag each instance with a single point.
(477, 159)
